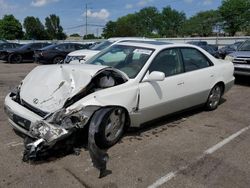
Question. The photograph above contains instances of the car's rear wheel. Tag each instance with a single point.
(111, 128)
(15, 58)
(57, 60)
(214, 97)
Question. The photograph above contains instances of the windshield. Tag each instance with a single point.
(128, 59)
(102, 45)
(245, 46)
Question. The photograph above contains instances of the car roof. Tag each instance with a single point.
(155, 44)
(115, 39)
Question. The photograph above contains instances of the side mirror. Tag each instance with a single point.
(154, 76)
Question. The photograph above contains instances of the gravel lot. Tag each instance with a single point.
(171, 146)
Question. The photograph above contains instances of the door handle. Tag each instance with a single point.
(181, 83)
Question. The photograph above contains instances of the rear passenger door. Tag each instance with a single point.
(199, 76)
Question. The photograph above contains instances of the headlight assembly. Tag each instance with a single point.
(229, 58)
(68, 120)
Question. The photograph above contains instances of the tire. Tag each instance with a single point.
(111, 129)
(214, 97)
(57, 60)
(15, 58)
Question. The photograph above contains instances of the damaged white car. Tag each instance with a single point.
(132, 83)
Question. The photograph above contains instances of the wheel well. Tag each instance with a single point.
(222, 86)
(57, 57)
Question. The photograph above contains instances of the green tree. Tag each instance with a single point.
(171, 22)
(34, 28)
(110, 29)
(10, 28)
(201, 24)
(75, 35)
(235, 14)
(53, 27)
(126, 26)
(147, 21)
(89, 36)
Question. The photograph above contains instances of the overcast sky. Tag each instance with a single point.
(72, 12)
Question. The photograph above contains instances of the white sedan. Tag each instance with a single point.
(128, 83)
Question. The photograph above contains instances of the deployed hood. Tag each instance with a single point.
(240, 54)
(48, 87)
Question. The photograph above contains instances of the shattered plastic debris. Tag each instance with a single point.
(99, 156)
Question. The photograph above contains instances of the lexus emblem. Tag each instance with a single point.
(35, 101)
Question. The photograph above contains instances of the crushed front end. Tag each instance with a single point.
(42, 129)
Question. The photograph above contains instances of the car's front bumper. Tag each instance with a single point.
(242, 69)
(20, 117)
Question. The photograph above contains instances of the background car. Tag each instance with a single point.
(241, 59)
(211, 50)
(3, 41)
(6, 46)
(204, 45)
(56, 53)
(228, 49)
(83, 55)
(24, 53)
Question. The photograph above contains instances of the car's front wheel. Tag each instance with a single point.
(214, 97)
(111, 128)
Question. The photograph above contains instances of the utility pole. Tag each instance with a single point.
(86, 19)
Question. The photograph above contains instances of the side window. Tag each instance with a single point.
(36, 46)
(194, 59)
(61, 47)
(167, 61)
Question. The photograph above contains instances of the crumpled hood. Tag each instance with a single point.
(47, 87)
(241, 54)
(86, 53)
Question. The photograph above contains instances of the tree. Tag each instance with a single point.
(89, 36)
(201, 24)
(110, 29)
(34, 28)
(53, 27)
(171, 22)
(10, 28)
(235, 14)
(75, 35)
(147, 21)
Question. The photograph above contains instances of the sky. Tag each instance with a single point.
(72, 13)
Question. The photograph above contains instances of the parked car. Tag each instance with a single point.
(228, 49)
(56, 53)
(241, 59)
(24, 53)
(129, 84)
(4, 47)
(204, 44)
(83, 55)
(211, 50)
(3, 41)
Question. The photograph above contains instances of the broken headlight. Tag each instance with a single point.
(47, 131)
(77, 118)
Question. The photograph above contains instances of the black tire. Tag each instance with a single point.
(57, 59)
(214, 97)
(15, 58)
(111, 129)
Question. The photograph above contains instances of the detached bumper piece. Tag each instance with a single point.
(47, 136)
